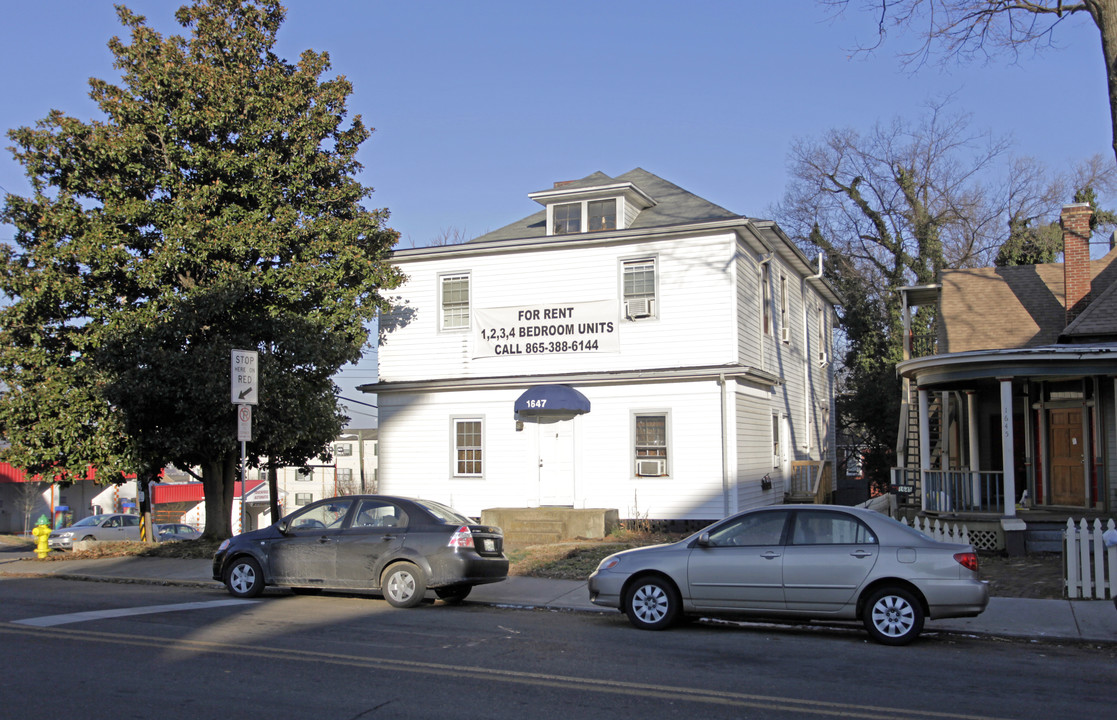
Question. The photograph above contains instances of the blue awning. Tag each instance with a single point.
(552, 400)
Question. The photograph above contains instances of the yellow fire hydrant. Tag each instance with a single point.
(41, 533)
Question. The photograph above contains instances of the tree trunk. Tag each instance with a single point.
(218, 484)
(1104, 13)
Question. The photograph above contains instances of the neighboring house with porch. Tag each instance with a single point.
(629, 346)
(1015, 404)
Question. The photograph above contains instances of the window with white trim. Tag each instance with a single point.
(823, 346)
(638, 288)
(777, 451)
(592, 215)
(568, 218)
(454, 300)
(766, 296)
(785, 327)
(468, 447)
(303, 498)
(650, 444)
(601, 215)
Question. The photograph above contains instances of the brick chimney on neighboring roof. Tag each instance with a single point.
(1076, 258)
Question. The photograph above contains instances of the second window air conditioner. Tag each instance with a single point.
(639, 308)
(785, 334)
(652, 467)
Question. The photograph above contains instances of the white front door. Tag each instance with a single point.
(556, 462)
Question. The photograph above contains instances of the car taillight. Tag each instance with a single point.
(462, 538)
(967, 560)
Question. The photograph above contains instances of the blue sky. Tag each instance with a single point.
(476, 104)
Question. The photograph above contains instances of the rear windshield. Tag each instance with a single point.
(445, 514)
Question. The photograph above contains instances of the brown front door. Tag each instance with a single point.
(1068, 469)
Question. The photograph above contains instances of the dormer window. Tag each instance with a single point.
(602, 215)
(597, 208)
(593, 215)
(568, 218)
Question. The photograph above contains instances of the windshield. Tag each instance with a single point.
(92, 520)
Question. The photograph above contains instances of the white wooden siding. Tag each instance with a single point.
(694, 323)
(416, 450)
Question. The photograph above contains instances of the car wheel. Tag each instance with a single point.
(652, 603)
(244, 579)
(88, 538)
(454, 594)
(403, 585)
(893, 616)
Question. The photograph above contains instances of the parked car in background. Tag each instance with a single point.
(797, 561)
(400, 547)
(115, 526)
(169, 532)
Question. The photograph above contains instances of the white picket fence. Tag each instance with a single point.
(1091, 567)
(940, 531)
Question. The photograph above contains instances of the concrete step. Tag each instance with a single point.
(1042, 537)
(522, 538)
(522, 525)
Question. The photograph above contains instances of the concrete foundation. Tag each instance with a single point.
(536, 526)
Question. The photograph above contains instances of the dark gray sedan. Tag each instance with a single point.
(398, 546)
(802, 562)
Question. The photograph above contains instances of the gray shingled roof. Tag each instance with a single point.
(1098, 321)
(1020, 306)
(674, 206)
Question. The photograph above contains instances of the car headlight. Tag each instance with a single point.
(66, 534)
(224, 544)
(609, 563)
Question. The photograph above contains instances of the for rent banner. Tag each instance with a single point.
(546, 329)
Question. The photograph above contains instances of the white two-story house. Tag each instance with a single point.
(628, 346)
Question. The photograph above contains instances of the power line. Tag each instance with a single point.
(356, 401)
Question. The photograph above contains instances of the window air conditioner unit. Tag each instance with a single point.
(823, 359)
(639, 308)
(785, 334)
(656, 467)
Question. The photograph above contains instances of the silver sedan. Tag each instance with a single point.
(800, 562)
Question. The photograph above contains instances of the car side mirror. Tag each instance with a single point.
(284, 526)
(704, 540)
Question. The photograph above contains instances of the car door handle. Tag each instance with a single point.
(770, 555)
(861, 554)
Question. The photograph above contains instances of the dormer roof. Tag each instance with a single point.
(662, 204)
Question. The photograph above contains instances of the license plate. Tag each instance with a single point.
(489, 545)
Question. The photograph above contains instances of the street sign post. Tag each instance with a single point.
(244, 382)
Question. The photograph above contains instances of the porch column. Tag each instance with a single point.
(944, 432)
(924, 447)
(1008, 447)
(975, 456)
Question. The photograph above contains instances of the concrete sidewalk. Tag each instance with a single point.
(1078, 620)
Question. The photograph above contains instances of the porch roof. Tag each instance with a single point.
(1039, 362)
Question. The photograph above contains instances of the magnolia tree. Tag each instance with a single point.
(213, 206)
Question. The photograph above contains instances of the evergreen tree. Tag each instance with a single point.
(214, 206)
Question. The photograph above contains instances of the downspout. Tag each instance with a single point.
(724, 449)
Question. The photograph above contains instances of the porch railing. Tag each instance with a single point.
(810, 481)
(954, 490)
(965, 491)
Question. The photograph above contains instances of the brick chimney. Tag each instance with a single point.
(1076, 258)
